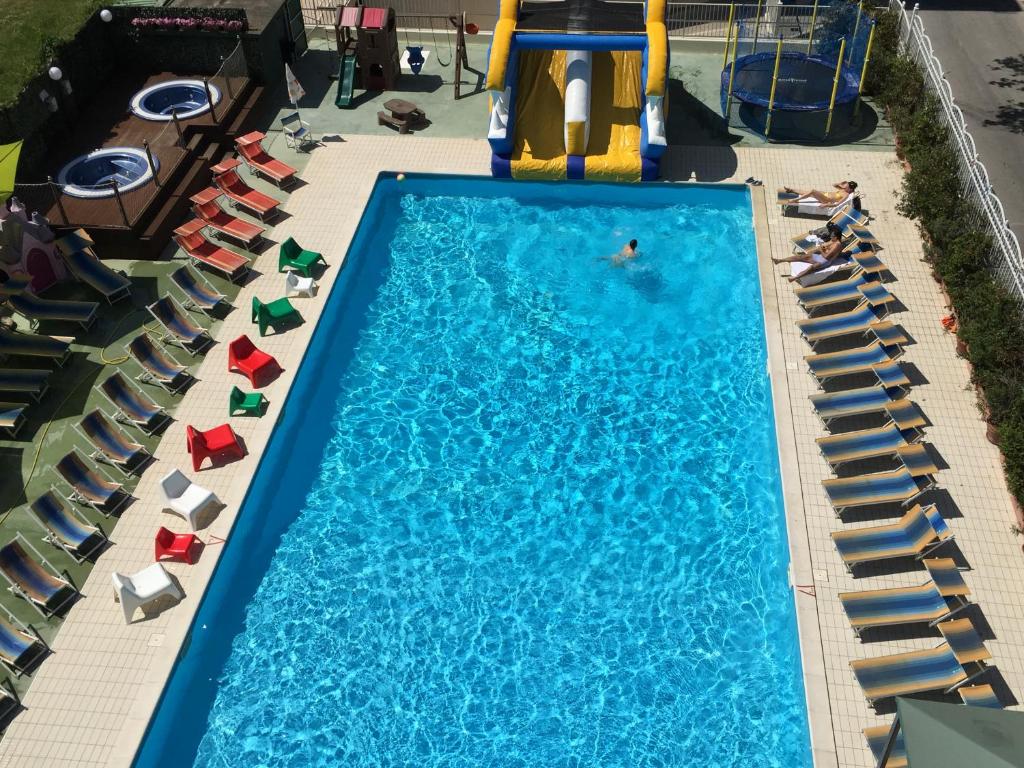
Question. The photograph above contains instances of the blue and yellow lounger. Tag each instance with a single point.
(865, 444)
(875, 359)
(857, 288)
(859, 402)
(980, 696)
(901, 485)
(957, 661)
(938, 600)
(918, 533)
(861, 319)
(845, 219)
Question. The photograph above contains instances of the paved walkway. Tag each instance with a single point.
(91, 701)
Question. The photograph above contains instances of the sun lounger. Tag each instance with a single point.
(954, 663)
(863, 320)
(208, 210)
(936, 601)
(902, 485)
(809, 206)
(251, 150)
(189, 237)
(12, 418)
(14, 284)
(132, 406)
(859, 402)
(245, 358)
(142, 588)
(180, 330)
(88, 486)
(980, 696)
(846, 218)
(97, 275)
(857, 259)
(157, 366)
(74, 241)
(874, 359)
(56, 348)
(856, 288)
(917, 534)
(217, 442)
(241, 194)
(199, 294)
(65, 528)
(35, 309)
(46, 591)
(29, 381)
(185, 498)
(20, 644)
(111, 445)
(865, 444)
(294, 256)
(277, 312)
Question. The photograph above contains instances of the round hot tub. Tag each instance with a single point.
(187, 97)
(90, 175)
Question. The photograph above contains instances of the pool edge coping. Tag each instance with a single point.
(820, 729)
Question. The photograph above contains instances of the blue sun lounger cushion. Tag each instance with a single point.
(917, 534)
(901, 485)
(198, 293)
(64, 529)
(157, 366)
(35, 309)
(96, 274)
(865, 400)
(133, 406)
(180, 328)
(862, 319)
(46, 592)
(875, 359)
(88, 486)
(111, 444)
(17, 647)
(865, 444)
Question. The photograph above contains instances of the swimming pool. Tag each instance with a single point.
(522, 508)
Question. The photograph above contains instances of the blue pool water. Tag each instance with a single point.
(523, 507)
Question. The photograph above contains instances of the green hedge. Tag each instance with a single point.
(990, 319)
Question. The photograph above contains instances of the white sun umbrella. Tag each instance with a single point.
(295, 89)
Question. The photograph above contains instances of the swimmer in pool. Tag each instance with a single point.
(820, 256)
(628, 252)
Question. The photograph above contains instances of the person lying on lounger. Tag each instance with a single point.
(820, 256)
(842, 190)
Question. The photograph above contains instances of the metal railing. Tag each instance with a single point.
(989, 214)
(711, 20)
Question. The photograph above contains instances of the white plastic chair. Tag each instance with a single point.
(142, 588)
(296, 131)
(297, 285)
(185, 498)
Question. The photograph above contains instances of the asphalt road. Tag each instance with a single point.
(981, 46)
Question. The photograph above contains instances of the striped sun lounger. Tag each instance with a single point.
(133, 407)
(88, 486)
(111, 445)
(94, 273)
(36, 309)
(954, 663)
(56, 348)
(46, 592)
(902, 485)
(29, 381)
(180, 330)
(866, 400)
(856, 288)
(12, 418)
(865, 444)
(198, 293)
(845, 219)
(863, 319)
(980, 696)
(65, 528)
(875, 359)
(917, 534)
(938, 600)
(20, 644)
(857, 259)
(158, 367)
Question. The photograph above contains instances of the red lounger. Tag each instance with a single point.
(206, 208)
(245, 358)
(230, 183)
(256, 157)
(219, 441)
(189, 237)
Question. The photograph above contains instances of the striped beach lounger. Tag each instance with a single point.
(97, 275)
(856, 288)
(866, 400)
(111, 445)
(845, 219)
(980, 696)
(29, 381)
(863, 319)
(198, 293)
(954, 663)
(35, 309)
(56, 348)
(902, 485)
(857, 259)
(65, 528)
(180, 330)
(133, 407)
(46, 592)
(917, 534)
(88, 486)
(20, 645)
(865, 444)
(157, 366)
(938, 600)
(12, 418)
(875, 359)
(810, 206)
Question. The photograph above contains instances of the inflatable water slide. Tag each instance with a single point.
(578, 89)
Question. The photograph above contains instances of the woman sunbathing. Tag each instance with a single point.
(820, 256)
(842, 190)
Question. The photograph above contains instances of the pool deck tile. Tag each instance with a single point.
(91, 700)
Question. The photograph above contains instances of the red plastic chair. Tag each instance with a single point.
(219, 441)
(245, 358)
(170, 544)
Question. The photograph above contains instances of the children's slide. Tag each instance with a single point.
(346, 81)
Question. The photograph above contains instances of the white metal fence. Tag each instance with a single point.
(1007, 259)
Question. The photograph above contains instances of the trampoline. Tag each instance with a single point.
(804, 84)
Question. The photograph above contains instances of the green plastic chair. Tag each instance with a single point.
(273, 314)
(294, 256)
(249, 403)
